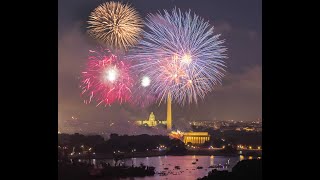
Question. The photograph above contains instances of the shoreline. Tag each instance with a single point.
(128, 156)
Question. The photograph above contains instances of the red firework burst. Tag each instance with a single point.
(106, 79)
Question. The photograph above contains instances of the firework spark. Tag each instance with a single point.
(181, 55)
(145, 81)
(115, 24)
(106, 79)
(142, 96)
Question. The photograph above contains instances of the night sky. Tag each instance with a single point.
(238, 98)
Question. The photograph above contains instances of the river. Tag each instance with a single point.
(187, 171)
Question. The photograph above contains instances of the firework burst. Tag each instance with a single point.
(181, 54)
(115, 24)
(106, 79)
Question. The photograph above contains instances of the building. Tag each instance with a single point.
(151, 122)
(195, 137)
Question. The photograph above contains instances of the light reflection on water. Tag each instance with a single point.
(211, 160)
(187, 169)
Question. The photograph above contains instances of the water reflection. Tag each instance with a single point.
(211, 160)
(165, 165)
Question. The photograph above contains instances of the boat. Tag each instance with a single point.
(193, 162)
(162, 173)
(177, 167)
(165, 168)
(216, 166)
(199, 167)
(219, 166)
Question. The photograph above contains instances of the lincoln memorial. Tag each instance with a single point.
(196, 137)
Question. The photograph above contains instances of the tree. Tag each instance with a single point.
(177, 147)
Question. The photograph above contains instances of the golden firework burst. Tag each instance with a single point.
(118, 25)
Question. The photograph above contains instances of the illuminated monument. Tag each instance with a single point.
(151, 122)
(169, 115)
(196, 137)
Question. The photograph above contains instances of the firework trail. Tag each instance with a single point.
(115, 24)
(181, 55)
(106, 79)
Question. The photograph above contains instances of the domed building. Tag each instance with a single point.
(151, 122)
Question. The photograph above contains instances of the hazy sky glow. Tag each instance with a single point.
(239, 98)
